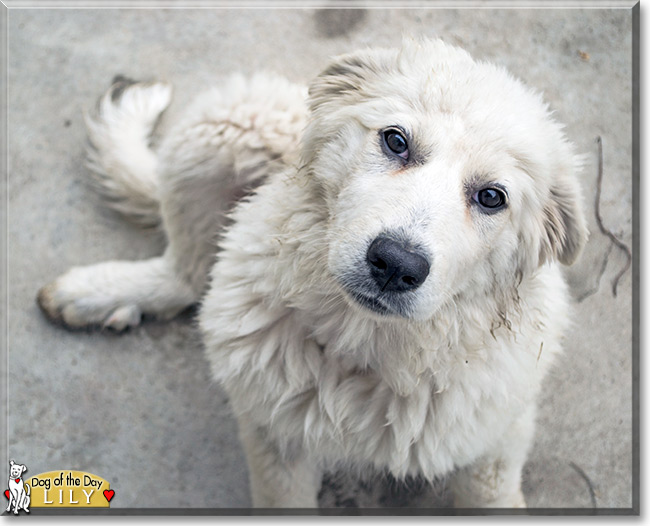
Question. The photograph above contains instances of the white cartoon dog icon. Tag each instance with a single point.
(18, 489)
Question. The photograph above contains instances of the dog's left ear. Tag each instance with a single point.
(564, 224)
(344, 77)
(24, 468)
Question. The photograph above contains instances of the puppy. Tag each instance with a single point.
(387, 292)
(19, 491)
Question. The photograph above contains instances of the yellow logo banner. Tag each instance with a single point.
(69, 489)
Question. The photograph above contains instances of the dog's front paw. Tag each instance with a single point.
(74, 302)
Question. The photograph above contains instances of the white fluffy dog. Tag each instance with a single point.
(387, 294)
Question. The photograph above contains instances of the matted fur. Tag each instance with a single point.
(446, 380)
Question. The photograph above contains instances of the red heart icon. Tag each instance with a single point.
(109, 493)
(7, 493)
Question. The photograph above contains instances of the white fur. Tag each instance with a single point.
(447, 381)
(119, 135)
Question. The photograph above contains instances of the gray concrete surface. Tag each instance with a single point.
(139, 409)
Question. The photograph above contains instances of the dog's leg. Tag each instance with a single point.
(494, 480)
(21, 500)
(116, 294)
(16, 502)
(278, 480)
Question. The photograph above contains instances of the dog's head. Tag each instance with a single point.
(16, 470)
(443, 176)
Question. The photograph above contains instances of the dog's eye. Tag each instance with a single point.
(396, 142)
(490, 198)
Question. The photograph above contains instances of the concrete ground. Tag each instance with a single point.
(140, 409)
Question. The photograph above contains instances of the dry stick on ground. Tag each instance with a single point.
(590, 485)
(599, 219)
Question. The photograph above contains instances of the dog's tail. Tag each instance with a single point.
(124, 167)
(27, 489)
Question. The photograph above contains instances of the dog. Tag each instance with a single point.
(19, 490)
(387, 291)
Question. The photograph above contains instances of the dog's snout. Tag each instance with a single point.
(394, 267)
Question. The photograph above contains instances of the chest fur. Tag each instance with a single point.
(385, 399)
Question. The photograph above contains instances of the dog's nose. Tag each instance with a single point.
(394, 267)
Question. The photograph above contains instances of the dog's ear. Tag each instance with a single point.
(344, 77)
(11, 463)
(565, 228)
(24, 468)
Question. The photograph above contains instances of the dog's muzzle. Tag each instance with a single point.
(393, 269)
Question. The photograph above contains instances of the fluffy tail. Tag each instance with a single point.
(125, 169)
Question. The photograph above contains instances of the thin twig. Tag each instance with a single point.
(599, 219)
(603, 267)
(590, 486)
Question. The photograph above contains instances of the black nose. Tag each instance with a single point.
(394, 267)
